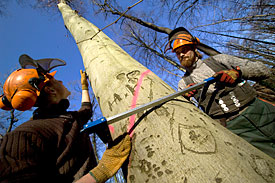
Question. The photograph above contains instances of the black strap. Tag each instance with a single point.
(214, 64)
(188, 80)
(211, 63)
(6, 102)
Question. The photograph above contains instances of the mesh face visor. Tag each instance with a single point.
(42, 65)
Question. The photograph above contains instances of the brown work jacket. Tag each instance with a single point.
(48, 148)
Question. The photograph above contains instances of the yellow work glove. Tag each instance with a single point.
(84, 82)
(112, 158)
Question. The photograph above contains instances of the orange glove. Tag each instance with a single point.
(228, 76)
(84, 82)
(191, 93)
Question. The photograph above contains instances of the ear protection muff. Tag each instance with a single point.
(24, 100)
(5, 103)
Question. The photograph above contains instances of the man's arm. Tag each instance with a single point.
(85, 112)
(111, 161)
(86, 179)
(254, 71)
(84, 86)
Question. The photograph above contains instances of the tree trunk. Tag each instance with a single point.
(175, 142)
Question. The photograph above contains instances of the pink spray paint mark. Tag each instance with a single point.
(134, 100)
(111, 128)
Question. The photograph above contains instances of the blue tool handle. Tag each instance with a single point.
(94, 123)
(210, 80)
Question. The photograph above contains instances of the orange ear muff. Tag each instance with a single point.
(24, 100)
(4, 103)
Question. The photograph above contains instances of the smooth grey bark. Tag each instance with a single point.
(175, 142)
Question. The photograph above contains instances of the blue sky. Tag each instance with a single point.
(24, 30)
(27, 31)
(39, 34)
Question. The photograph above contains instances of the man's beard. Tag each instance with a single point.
(187, 62)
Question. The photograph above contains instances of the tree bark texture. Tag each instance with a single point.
(174, 142)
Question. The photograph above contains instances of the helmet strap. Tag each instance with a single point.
(6, 102)
(36, 82)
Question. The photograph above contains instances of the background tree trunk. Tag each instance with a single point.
(175, 142)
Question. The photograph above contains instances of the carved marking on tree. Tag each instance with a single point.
(151, 93)
(150, 151)
(262, 167)
(203, 120)
(131, 89)
(121, 77)
(116, 97)
(133, 76)
(228, 143)
(162, 111)
(145, 166)
(171, 123)
(196, 139)
(131, 79)
(110, 105)
(153, 171)
(218, 179)
(167, 171)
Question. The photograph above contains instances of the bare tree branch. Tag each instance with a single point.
(12, 120)
(138, 20)
(259, 41)
(112, 22)
(143, 44)
(250, 18)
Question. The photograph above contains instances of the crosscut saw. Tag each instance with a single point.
(151, 104)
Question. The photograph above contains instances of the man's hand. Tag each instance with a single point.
(228, 76)
(112, 158)
(84, 82)
(190, 93)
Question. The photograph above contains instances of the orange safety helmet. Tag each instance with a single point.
(180, 36)
(23, 86)
(184, 39)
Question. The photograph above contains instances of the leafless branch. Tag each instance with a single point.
(112, 22)
(237, 37)
(250, 18)
(12, 120)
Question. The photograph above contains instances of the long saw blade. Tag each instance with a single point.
(143, 107)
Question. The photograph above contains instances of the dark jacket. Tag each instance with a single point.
(48, 148)
(224, 101)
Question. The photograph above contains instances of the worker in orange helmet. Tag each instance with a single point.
(230, 100)
(50, 147)
(22, 88)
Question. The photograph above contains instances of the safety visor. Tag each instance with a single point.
(42, 65)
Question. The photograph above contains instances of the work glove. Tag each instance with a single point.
(84, 82)
(190, 93)
(112, 158)
(228, 77)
